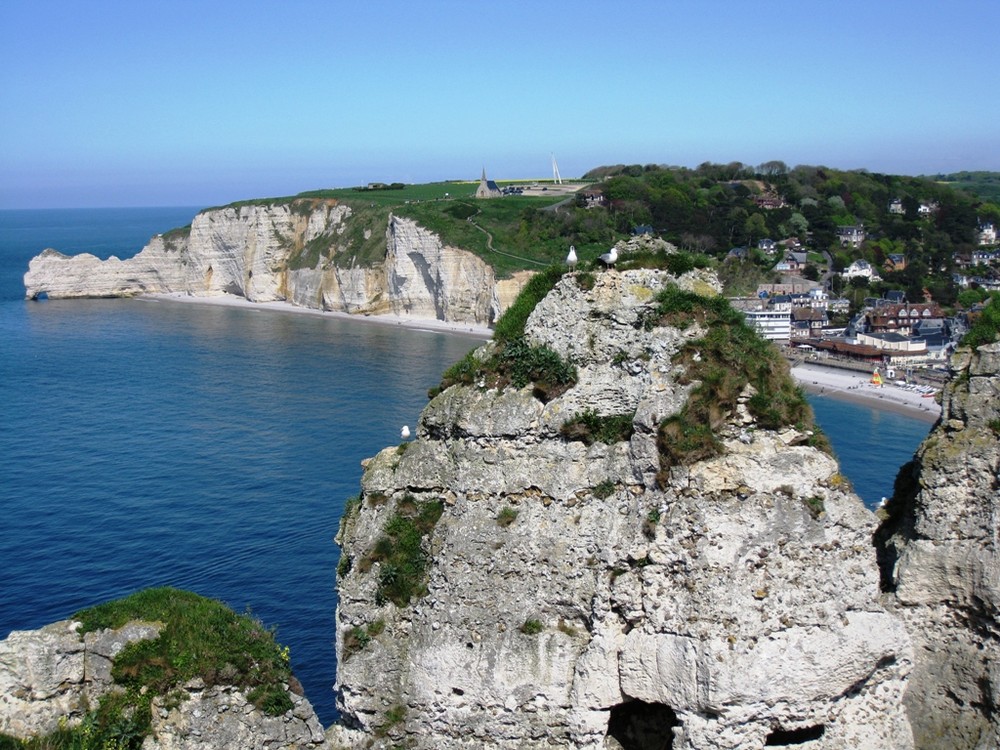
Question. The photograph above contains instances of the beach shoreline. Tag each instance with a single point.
(857, 388)
(419, 324)
(833, 382)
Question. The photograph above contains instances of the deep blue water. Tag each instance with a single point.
(152, 443)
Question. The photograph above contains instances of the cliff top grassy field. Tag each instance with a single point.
(511, 233)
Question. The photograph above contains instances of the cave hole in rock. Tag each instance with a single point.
(638, 725)
(790, 737)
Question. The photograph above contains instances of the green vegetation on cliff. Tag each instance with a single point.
(514, 361)
(200, 637)
(985, 324)
(400, 550)
(723, 362)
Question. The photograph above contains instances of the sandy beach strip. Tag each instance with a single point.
(420, 324)
(858, 388)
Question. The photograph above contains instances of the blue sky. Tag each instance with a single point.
(149, 102)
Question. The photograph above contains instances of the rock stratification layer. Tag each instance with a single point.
(577, 593)
(940, 550)
(298, 252)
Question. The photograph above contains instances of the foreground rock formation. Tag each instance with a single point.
(940, 551)
(578, 594)
(53, 676)
(299, 252)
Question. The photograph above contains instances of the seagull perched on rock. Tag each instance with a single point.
(609, 258)
(571, 258)
(405, 432)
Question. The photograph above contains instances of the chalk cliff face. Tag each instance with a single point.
(54, 675)
(940, 550)
(579, 595)
(287, 252)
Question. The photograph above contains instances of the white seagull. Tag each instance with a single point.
(609, 258)
(405, 432)
(571, 258)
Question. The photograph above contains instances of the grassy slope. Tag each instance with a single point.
(450, 210)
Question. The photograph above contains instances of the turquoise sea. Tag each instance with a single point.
(148, 443)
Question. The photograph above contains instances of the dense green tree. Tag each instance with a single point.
(755, 228)
(969, 297)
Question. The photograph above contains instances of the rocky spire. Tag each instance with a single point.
(940, 559)
(645, 546)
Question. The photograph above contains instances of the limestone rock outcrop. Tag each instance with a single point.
(940, 554)
(222, 717)
(298, 252)
(53, 676)
(578, 595)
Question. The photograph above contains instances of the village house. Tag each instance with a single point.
(894, 262)
(593, 198)
(874, 349)
(807, 323)
(771, 318)
(792, 262)
(896, 206)
(860, 268)
(895, 347)
(851, 236)
(985, 257)
(813, 299)
(838, 305)
(775, 290)
(987, 234)
(769, 201)
(901, 317)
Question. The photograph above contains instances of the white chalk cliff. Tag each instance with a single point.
(580, 595)
(300, 252)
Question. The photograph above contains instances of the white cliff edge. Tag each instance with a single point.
(289, 252)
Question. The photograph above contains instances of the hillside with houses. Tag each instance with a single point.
(863, 267)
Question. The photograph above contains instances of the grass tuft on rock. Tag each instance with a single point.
(400, 550)
(589, 428)
(723, 362)
(514, 361)
(201, 637)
